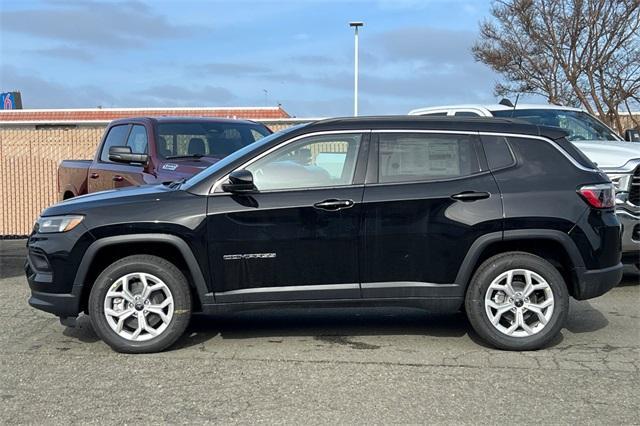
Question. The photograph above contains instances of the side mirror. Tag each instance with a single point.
(632, 135)
(239, 181)
(123, 154)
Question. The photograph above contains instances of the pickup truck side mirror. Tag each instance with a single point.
(239, 181)
(632, 135)
(123, 154)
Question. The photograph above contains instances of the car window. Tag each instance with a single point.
(213, 139)
(115, 137)
(137, 140)
(497, 151)
(313, 162)
(579, 124)
(409, 157)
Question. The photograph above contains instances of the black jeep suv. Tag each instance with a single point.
(503, 219)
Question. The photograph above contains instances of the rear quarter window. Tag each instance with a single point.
(498, 152)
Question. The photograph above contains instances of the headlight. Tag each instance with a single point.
(48, 225)
(620, 181)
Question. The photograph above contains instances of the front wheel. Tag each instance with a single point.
(140, 304)
(517, 301)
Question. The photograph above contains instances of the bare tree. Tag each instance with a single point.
(574, 52)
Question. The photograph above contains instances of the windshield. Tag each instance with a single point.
(205, 138)
(204, 174)
(580, 125)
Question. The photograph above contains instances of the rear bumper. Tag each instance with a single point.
(596, 282)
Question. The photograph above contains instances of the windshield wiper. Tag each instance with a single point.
(184, 156)
(177, 183)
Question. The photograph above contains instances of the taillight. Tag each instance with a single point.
(601, 196)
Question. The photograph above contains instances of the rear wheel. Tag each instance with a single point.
(140, 304)
(517, 301)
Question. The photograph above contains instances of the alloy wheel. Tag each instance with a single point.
(519, 303)
(138, 306)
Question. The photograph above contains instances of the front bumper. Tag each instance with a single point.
(596, 282)
(60, 304)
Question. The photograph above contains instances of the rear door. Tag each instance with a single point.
(428, 197)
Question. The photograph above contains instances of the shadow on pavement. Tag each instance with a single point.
(83, 331)
(12, 256)
(584, 318)
(324, 324)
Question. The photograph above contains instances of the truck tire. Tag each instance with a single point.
(140, 304)
(517, 301)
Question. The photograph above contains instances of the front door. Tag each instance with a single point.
(430, 197)
(100, 173)
(296, 237)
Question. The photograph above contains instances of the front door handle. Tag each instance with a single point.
(471, 196)
(117, 178)
(333, 205)
(94, 175)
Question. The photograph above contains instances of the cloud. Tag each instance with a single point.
(314, 60)
(38, 92)
(65, 52)
(230, 69)
(426, 44)
(173, 95)
(123, 24)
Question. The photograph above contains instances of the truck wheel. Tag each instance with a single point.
(517, 301)
(140, 304)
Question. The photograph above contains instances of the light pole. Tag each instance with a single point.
(355, 25)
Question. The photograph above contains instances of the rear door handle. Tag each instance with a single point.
(117, 178)
(471, 196)
(94, 176)
(333, 205)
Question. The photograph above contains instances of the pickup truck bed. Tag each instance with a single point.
(72, 177)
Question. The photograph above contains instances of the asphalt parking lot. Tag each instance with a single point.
(320, 366)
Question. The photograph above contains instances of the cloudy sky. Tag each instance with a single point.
(227, 53)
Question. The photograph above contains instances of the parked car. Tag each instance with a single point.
(507, 219)
(620, 160)
(144, 150)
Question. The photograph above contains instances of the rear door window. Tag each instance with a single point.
(411, 157)
(116, 137)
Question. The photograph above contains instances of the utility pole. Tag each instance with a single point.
(355, 25)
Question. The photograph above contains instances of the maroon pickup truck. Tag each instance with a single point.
(138, 151)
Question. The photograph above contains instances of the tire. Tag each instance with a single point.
(161, 325)
(539, 328)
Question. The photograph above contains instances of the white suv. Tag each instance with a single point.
(616, 157)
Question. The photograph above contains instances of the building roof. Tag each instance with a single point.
(108, 114)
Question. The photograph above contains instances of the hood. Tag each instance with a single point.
(609, 154)
(185, 167)
(105, 198)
